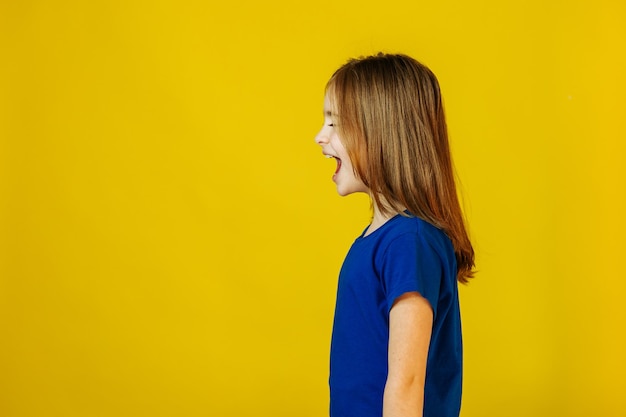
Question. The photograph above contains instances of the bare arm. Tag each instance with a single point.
(410, 328)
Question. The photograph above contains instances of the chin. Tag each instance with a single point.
(350, 186)
(346, 191)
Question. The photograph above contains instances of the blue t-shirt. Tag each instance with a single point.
(405, 254)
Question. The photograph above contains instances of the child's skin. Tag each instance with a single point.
(410, 318)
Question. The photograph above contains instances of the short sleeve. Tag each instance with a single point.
(410, 264)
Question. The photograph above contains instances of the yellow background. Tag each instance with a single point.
(170, 236)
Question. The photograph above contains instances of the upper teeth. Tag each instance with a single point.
(329, 156)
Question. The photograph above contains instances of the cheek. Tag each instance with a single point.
(338, 145)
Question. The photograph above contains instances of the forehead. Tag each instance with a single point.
(329, 105)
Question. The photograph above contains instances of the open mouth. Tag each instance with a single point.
(338, 162)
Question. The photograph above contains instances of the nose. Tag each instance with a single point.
(321, 138)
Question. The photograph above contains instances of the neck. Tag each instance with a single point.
(379, 219)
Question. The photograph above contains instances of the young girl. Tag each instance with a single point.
(396, 344)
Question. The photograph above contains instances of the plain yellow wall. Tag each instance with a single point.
(170, 237)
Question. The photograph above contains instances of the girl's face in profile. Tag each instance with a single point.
(332, 147)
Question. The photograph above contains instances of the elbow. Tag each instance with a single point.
(405, 389)
(404, 394)
(405, 383)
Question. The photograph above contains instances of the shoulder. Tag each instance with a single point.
(408, 231)
(414, 258)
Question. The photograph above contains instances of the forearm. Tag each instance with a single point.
(403, 399)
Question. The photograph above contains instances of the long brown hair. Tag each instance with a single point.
(391, 120)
